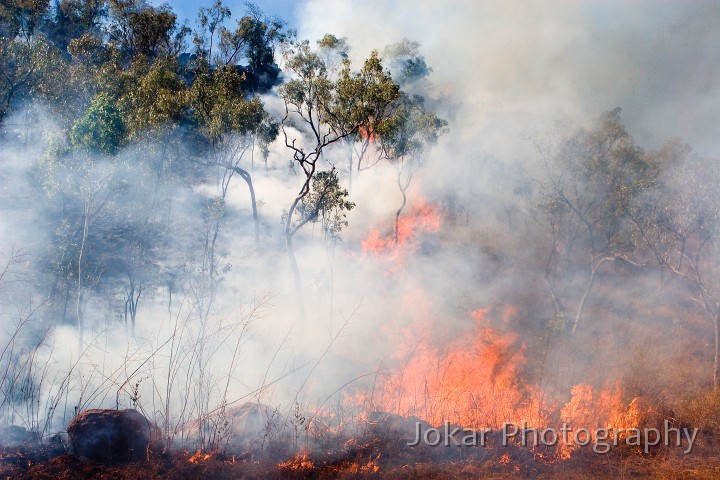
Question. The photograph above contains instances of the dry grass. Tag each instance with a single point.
(702, 411)
(37, 464)
(378, 456)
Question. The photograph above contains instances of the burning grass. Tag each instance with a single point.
(511, 464)
(478, 379)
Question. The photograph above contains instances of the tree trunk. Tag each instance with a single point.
(350, 166)
(581, 305)
(296, 275)
(78, 305)
(253, 202)
(397, 214)
(330, 252)
(350, 174)
(290, 232)
(67, 300)
(716, 359)
(551, 289)
(586, 293)
(591, 281)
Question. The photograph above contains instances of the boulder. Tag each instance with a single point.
(110, 436)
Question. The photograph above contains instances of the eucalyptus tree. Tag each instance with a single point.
(21, 18)
(144, 30)
(406, 140)
(254, 39)
(73, 19)
(319, 112)
(589, 182)
(251, 42)
(26, 68)
(393, 86)
(407, 65)
(209, 20)
(232, 125)
(676, 222)
(88, 191)
(380, 97)
(333, 51)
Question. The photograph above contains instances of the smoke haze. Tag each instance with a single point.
(507, 76)
(510, 66)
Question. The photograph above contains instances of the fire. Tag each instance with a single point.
(298, 462)
(593, 408)
(421, 219)
(370, 467)
(473, 381)
(478, 381)
(199, 457)
(301, 462)
(368, 131)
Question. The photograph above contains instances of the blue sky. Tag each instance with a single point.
(187, 9)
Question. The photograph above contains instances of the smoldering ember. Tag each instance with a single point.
(359, 239)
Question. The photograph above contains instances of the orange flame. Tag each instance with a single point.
(472, 382)
(421, 219)
(593, 408)
(368, 131)
(298, 462)
(477, 381)
(199, 457)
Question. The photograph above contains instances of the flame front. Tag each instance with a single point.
(473, 382)
(478, 380)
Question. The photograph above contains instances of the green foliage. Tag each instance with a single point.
(155, 97)
(355, 102)
(406, 63)
(333, 50)
(100, 129)
(585, 203)
(21, 17)
(75, 82)
(140, 29)
(596, 175)
(28, 69)
(254, 38)
(364, 99)
(209, 20)
(74, 19)
(88, 50)
(331, 42)
(310, 89)
(689, 220)
(410, 131)
(326, 203)
(219, 106)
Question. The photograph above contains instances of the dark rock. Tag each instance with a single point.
(110, 436)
